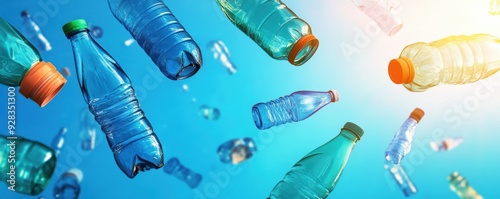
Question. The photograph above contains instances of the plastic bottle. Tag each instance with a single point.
(221, 53)
(400, 145)
(158, 32)
(21, 65)
(459, 185)
(402, 179)
(274, 27)
(291, 108)
(33, 164)
(175, 168)
(68, 185)
(494, 7)
(317, 173)
(446, 144)
(58, 141)
(452, 60)
(96, 31)
(237, 150)
(88, 130)
(209, 113)
(33, 32)
(111, 99)
(383, 13)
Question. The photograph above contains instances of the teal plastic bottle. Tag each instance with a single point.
(317, 173)
(274, 27)
(34, 160)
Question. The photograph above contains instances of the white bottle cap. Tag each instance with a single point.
(335, 95)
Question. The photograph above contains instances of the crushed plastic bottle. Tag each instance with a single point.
(237, 150)
(58, 141)
(209, 113)
(383, 13)
(68, 185)
(460, 185)
(175, 168)
(402, 179)
(221, 53)
(446, 144)
(34, 33)
(400, 145)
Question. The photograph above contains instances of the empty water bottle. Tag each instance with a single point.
(21, 65)
(175, 168)
(446, 144)
(452, 60)
(274, 27)
(88, 130)
(400, 145)
(221, 53)
(291, 108)
(495, 7)
(26, 165)
(402, 179)
(461, 186)
(32, 31)
(158, 32)
(317, 173)
(111, 99)
(58, 141)
(209, 113)
(236, 150)
(383, 13)
(68, 185)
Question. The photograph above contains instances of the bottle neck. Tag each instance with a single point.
(79, 35)
(346, 134)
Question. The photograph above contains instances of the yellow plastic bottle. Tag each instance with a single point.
(452, 60)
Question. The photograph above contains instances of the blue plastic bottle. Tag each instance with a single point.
(58, 141)
(175, 168)
(291, 108)
(32, 31)
(236, 150)
(400, 145)
(68, 185)
(402, 179)
(111, 99)
(158, 32)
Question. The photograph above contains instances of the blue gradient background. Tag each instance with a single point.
(368, 98)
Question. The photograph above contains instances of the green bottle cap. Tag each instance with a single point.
(358, 131)
(74, 25)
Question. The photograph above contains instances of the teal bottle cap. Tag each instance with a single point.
(74, 25)
(358, 131)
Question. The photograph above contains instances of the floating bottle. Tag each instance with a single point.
(295, 107)
(494, 7)
(400, 145)
(68, 185)
(21, 65)
(446, 144)
(58, 141)
(459, 185)
(111, 99)
(383, 13)
(402, 179)
(34, 33)
(452, 60)
(175, 168)
(158, 32)
(237, 150)
(274, 27)
(221, 53)
(33, 164)
(317, 173)
(88, 130)
(209, 113)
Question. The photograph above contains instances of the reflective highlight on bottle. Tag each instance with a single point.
(221, 53)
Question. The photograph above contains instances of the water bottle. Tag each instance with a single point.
(175, 168)
(446, 144)
(68, 185)
(88, 130)
(158, 32)
(111, 99)
(26, 165)
(209, 113)
(402, 179)
(383, 13)
(21, 65)
(317, 173)
(237, 150)
(221, 53)
(460, 185)
(494, 7)
(33, 32)
(400, 145)
(452, 60)
(274, 27)
(291, 108)
(58, 141)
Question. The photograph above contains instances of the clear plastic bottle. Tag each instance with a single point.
(383, 13)
(221, 53)
(295, 107)
(58, 141)
(446, 144)
(33, 163)
(402, 179)
(452, 60)
(160, 34)
(111, 99)
(274, 27)
(21, 65)
(175, 168)
(34, 33)
(237, 150)
(494, 7)
(68, 185)
(88, 130)
(459, 185)
(400, 145)
(317, 173)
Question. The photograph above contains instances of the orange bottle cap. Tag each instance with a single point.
(417, 114)
(42, 83)
(307, 41)
(401, 71)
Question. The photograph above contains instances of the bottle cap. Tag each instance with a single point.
(401, 70)
(335, 95)
(74, 25)
(77, 172)
(24, 13)
(42, 83)
(303, 50)
(417, 114)
(358, 131)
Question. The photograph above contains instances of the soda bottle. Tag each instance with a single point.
(446, 144)
(68, 185)
(274, 27)
(383, 13)
(291, 108)
(237, 150)
(58, 141)
(21, 65)
(221, 53)
(160, 34)
(317, 173)
(460, 185)
(452, 60)
(402, 179)
(26, 165)
(400, 145)
(175, 168)
(33, 32)
(494, 7)
(111, 99)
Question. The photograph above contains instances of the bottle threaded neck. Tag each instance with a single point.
(42, 83)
